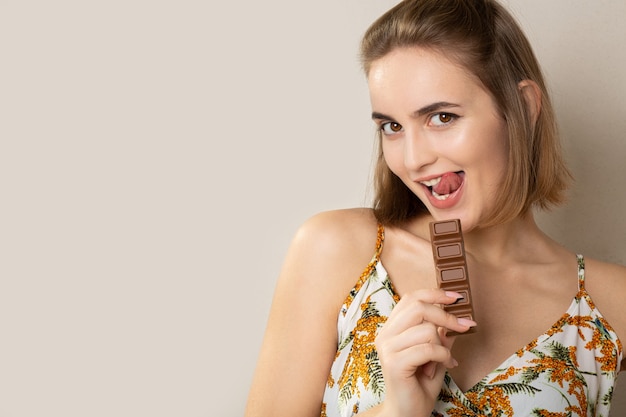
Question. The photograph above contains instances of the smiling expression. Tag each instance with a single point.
(442, 133)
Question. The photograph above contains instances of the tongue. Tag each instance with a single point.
(450, 182)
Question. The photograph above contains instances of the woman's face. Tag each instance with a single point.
(442, 133)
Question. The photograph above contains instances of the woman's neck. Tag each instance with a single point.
(513, 241)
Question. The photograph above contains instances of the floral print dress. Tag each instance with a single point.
(568, 371)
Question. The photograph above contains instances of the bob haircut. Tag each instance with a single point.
(485, 39)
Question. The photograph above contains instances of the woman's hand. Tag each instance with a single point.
(414, 351)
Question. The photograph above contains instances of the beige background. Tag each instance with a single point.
(157, 156)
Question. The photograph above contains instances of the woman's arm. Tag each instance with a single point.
(323, 263)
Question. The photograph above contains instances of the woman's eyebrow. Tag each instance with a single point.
(380, 116)
(433, 108)
(430, 108)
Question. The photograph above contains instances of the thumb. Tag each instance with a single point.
(448, 342)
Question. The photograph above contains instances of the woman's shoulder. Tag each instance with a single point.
(333, 248)
(337, 233)
(346, 223)
(606, 284)
(605, 273)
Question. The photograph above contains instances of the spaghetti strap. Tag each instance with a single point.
(581, 272)
(371, 266)
(380, 238)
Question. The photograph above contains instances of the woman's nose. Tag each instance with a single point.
(417, 152)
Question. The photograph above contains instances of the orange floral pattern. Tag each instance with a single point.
(568, 371)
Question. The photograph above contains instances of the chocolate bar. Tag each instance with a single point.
(451, 267)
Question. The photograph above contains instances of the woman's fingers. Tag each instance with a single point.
(406, 362)
(422, 346)
(423, 333)
(420, 306)
(413, 338)
(414, 350)
(432, 296)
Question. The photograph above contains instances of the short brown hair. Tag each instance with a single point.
(487, 41)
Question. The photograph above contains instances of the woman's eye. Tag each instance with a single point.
(391, 128)
(442, 119)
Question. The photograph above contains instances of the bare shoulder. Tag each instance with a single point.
(332, 233)
(332, 248)
(605, 273)
(606, 283)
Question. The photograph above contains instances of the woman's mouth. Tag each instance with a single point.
(441, 187)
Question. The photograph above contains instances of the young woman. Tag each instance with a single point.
(467, 132)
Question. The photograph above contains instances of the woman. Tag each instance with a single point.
(466, 132)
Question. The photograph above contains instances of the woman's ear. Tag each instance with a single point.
(532, 96)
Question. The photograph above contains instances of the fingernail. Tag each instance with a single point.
(453, 294)
(455, 363)
(466, 322)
